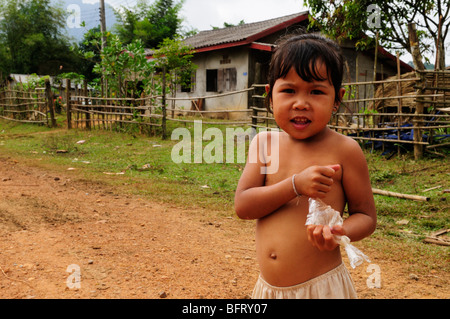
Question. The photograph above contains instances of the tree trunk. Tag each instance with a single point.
(418, 64)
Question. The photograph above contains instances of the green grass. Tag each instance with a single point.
(138, 164)
(408, 176)
(403, 242)
(126, 158)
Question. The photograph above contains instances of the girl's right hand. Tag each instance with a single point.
(315, 181)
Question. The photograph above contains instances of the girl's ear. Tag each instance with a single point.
(268, 101)
(341, 94)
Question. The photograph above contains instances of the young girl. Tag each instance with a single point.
(298, 261)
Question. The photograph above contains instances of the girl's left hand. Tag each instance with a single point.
(322, 237)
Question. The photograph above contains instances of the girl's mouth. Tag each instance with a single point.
(300, 122)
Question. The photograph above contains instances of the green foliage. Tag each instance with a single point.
(176, 58)
(149, 23)
(33, 81)
(72, 76)
(360, 20)
(89, 52)
(126, 67)
(229, 25)
(120, 64)
(31, 38)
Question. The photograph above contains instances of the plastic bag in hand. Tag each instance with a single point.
(322, 214)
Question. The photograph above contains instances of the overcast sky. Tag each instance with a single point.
(203, 14)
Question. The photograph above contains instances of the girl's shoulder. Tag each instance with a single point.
(342, 140)
(268, 135)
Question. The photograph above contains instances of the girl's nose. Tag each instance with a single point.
(301, 103)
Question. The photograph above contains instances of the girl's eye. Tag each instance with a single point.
(317, 92)
(289, 91)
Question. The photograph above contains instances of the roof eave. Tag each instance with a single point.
(279, 27)
(390, 56)
(256, 36)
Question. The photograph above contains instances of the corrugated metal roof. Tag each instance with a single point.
(238, 33)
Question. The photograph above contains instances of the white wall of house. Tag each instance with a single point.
(232, 67)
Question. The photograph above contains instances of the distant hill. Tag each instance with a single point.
(89, 13)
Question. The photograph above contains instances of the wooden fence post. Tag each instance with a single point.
(68, 108)
(86, 105)
(163, 102)
(418, 64)
(254, 119)
(49, 97)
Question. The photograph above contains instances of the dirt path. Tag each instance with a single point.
(129, 247)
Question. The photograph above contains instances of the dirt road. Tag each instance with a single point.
(64, 237)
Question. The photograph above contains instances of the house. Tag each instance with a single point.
(235, 58)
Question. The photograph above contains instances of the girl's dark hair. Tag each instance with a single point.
(302, 52)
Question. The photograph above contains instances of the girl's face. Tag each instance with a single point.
(303, 109)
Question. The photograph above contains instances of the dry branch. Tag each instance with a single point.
(400, 195)
(435, 239)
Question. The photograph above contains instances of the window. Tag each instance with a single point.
(211, 80)
(227, 80)
(221, 80)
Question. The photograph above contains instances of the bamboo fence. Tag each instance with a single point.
(85, 111)
(24, 105)
(386, 119)
(389, 118)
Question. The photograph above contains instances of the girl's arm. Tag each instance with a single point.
(254, 199)
(361, 206)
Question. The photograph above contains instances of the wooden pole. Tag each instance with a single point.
(103, 23)
(49, 97)
(375, 62)
(68, 108)
(356, 106)
(440, 58)
(400, 106)
(417, 59)
(86, 105)
(163, 102)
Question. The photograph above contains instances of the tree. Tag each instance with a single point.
(32, 38)
(122, 66)
(125, 29)
(361, 19)
(149, 23)
(89, 49)
(229, 25)
(176, 58)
